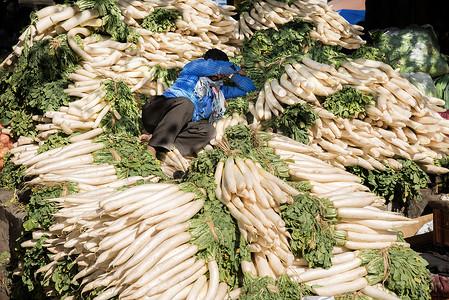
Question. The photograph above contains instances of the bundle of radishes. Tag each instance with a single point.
(71, 163)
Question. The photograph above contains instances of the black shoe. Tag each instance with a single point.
(178, 174)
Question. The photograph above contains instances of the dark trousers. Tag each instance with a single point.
(169, 121)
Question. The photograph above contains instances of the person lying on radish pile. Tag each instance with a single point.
(183, 115)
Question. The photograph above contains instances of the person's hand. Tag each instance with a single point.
(152, 150)
(243, 73)
(217, 77)
(145, 138)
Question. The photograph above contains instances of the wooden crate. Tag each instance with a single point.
(441, 227)
(440, 208)
(438, 297)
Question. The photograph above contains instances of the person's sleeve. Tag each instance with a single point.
(201, 67)
(244, 85)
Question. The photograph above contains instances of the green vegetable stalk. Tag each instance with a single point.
(301, 186)
(309, 220)
(443, 187)
(348, 102)
(267, 52)
(398, 186)
(370, 52)
(294, 122)
(167, 75)
(239, 105)
(253, 144)
(12, 177)
(112, 19)
(213, 228)
(256, 288)
(119, 95)
(56, 140)
(400, 269)
(327, 54)
(128, 156)
(161, 20)
(36, 84)
(442, 87)
(39, 216)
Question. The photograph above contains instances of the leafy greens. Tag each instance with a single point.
(266, 288)
(401, 269)
(213, 229)
(161, 20)
(294, 122)
(128, 156)
(394, 185)
(36, 84)
(119, 95)
(112, 19)
(348, 102)
(309, 220)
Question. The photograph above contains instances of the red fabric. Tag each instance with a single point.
(440, 284)
(445, 114)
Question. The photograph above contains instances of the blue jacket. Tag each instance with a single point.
(184, 85)
(352, 16)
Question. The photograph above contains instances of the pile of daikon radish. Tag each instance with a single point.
(331, 28)
(137, 246)
(402, 121)
(253, 195)
(102, 58)
(141, 248)
(203, 25)
(135, 241)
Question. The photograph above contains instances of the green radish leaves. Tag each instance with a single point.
(161, 20)
(267, 52)
(128, 156)
(36, 84)
(56, 140)
(255, 288)
(112, 19)
(214, 230)
(253, 144)
(308, 221)
(442, 87)
(39, 217)
(406, 274)
(119, 95)
(398, 186)
(12, 176)
(295, 121)
(348, 102)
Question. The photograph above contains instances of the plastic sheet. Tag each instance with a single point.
(423, 82)
(414, 49)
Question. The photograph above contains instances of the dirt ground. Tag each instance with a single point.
(11, 219)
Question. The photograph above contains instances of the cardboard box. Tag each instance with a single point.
(413, 229)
